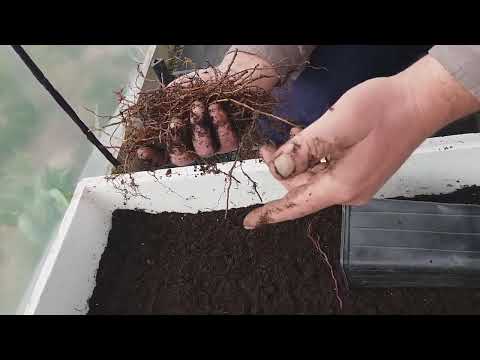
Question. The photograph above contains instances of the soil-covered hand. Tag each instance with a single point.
(353, 149)
(210, 129)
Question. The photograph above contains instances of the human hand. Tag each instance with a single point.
(365, 138)
(212, 122)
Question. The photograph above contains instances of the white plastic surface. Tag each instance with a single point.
(67, 278)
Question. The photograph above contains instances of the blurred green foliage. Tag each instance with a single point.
(42, 153)
(34, 201)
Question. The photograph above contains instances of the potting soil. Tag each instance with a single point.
(172, 263)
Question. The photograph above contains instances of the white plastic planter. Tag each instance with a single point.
(67, 276)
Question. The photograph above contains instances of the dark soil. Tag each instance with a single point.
(173, 263)
(465, 195)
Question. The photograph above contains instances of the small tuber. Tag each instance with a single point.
(226, 134)
(201, 136)
(156, 157)
(284, 165)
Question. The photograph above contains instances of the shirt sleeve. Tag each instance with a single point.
(287, 58)
(462, 62)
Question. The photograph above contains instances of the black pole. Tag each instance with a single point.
(63, 103)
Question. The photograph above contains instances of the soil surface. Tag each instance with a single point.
(173, 263)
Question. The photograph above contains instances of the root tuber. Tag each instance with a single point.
(156, 157)
(284, 165)
(201, 134)
(227, 137)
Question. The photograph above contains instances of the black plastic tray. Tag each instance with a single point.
(401, 243)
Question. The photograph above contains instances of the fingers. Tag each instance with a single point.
(307, 193)
(183, 81)
(201, 137)
(267, 152)
(196, 129)
(300, 201)
(305, 150)
(302, 153)
(227, 137)
(144, 153)
(156, 157)
(328, 137)
(187, 79)
(281, 166)
(284, 161)
(180, 154)
(298, 180)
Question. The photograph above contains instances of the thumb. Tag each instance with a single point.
(304, 151)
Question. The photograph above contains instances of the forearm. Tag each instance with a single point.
(275, 63)
(258, 68)
(435, 96)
